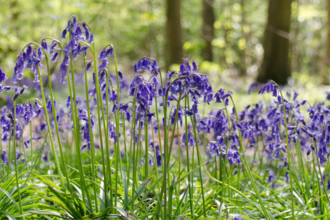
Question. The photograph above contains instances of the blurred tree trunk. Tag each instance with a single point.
(173, 36)
(227, 28)
(14, 15)
(207, 29)
(295, 44)
(244, 35)
(275, 64)
(326, 60)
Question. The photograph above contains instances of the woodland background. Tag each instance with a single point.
(256, 39)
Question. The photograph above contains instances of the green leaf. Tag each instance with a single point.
(8, 215)
(11, 198)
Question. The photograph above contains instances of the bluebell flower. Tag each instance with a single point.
(110, 51)
(155, 68)
(18, 155)
(64, 33)
(44, 45)
(28, 50)
(86, 147)
(195, 68)
(91, 38)
(183, 71)
(103, 55)
(19, 91)
(159, 160)
(54, 56)
(86, 30)
(214, 148)
(268, 88)
(191, 139)
(52, 47)
(120, 74)
(4, 157)
(64, 67)
(19, 69)
(103, 64)
(2, 76)
(88, 66)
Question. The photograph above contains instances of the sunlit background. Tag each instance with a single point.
(137, 28)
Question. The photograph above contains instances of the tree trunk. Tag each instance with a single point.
(244, 35)
(14, 16)
(207, 29)
(173, 36)
(275, 64)
(326, 60)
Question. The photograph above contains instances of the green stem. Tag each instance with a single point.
(125, 146)
(243, 159)
(117, 122)
(146, 158)
(49, 130)
(318, 184)
(15, 156)
(91, 139)
(188, 165)
(288, 149)
(55, 120)
(164, 188)
(193, 121)
(97, 85)
(106, 127)
(31, 138)
(77, 138)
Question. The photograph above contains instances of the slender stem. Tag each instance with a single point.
(91, 139)
(77, 138)
(188, 165)
(125, 145)
(49, 129)
(15, 156)
(56, 123)
(318, 184)
(164, 190)
(135, 155)
(9, 150)
(106, 127)
(243, 159)
(173, 131)
(31, 146)
(323, 181)
(100, 128)
(146, 151)
(179, 152)
(132, 144)
(155, 156)
(288, 150)
(117, 122)
(159, 130)
(193, 121)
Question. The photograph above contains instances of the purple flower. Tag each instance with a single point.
(19, 91)
(64, 67)
(4, 157)
(91, 38)
(191, 139)
(195, 68)
(44, 45)
(88, 66)
(120, 74)
(54, 56)
(2, 76)
(64, 33)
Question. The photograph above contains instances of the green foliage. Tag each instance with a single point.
(137, 28)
